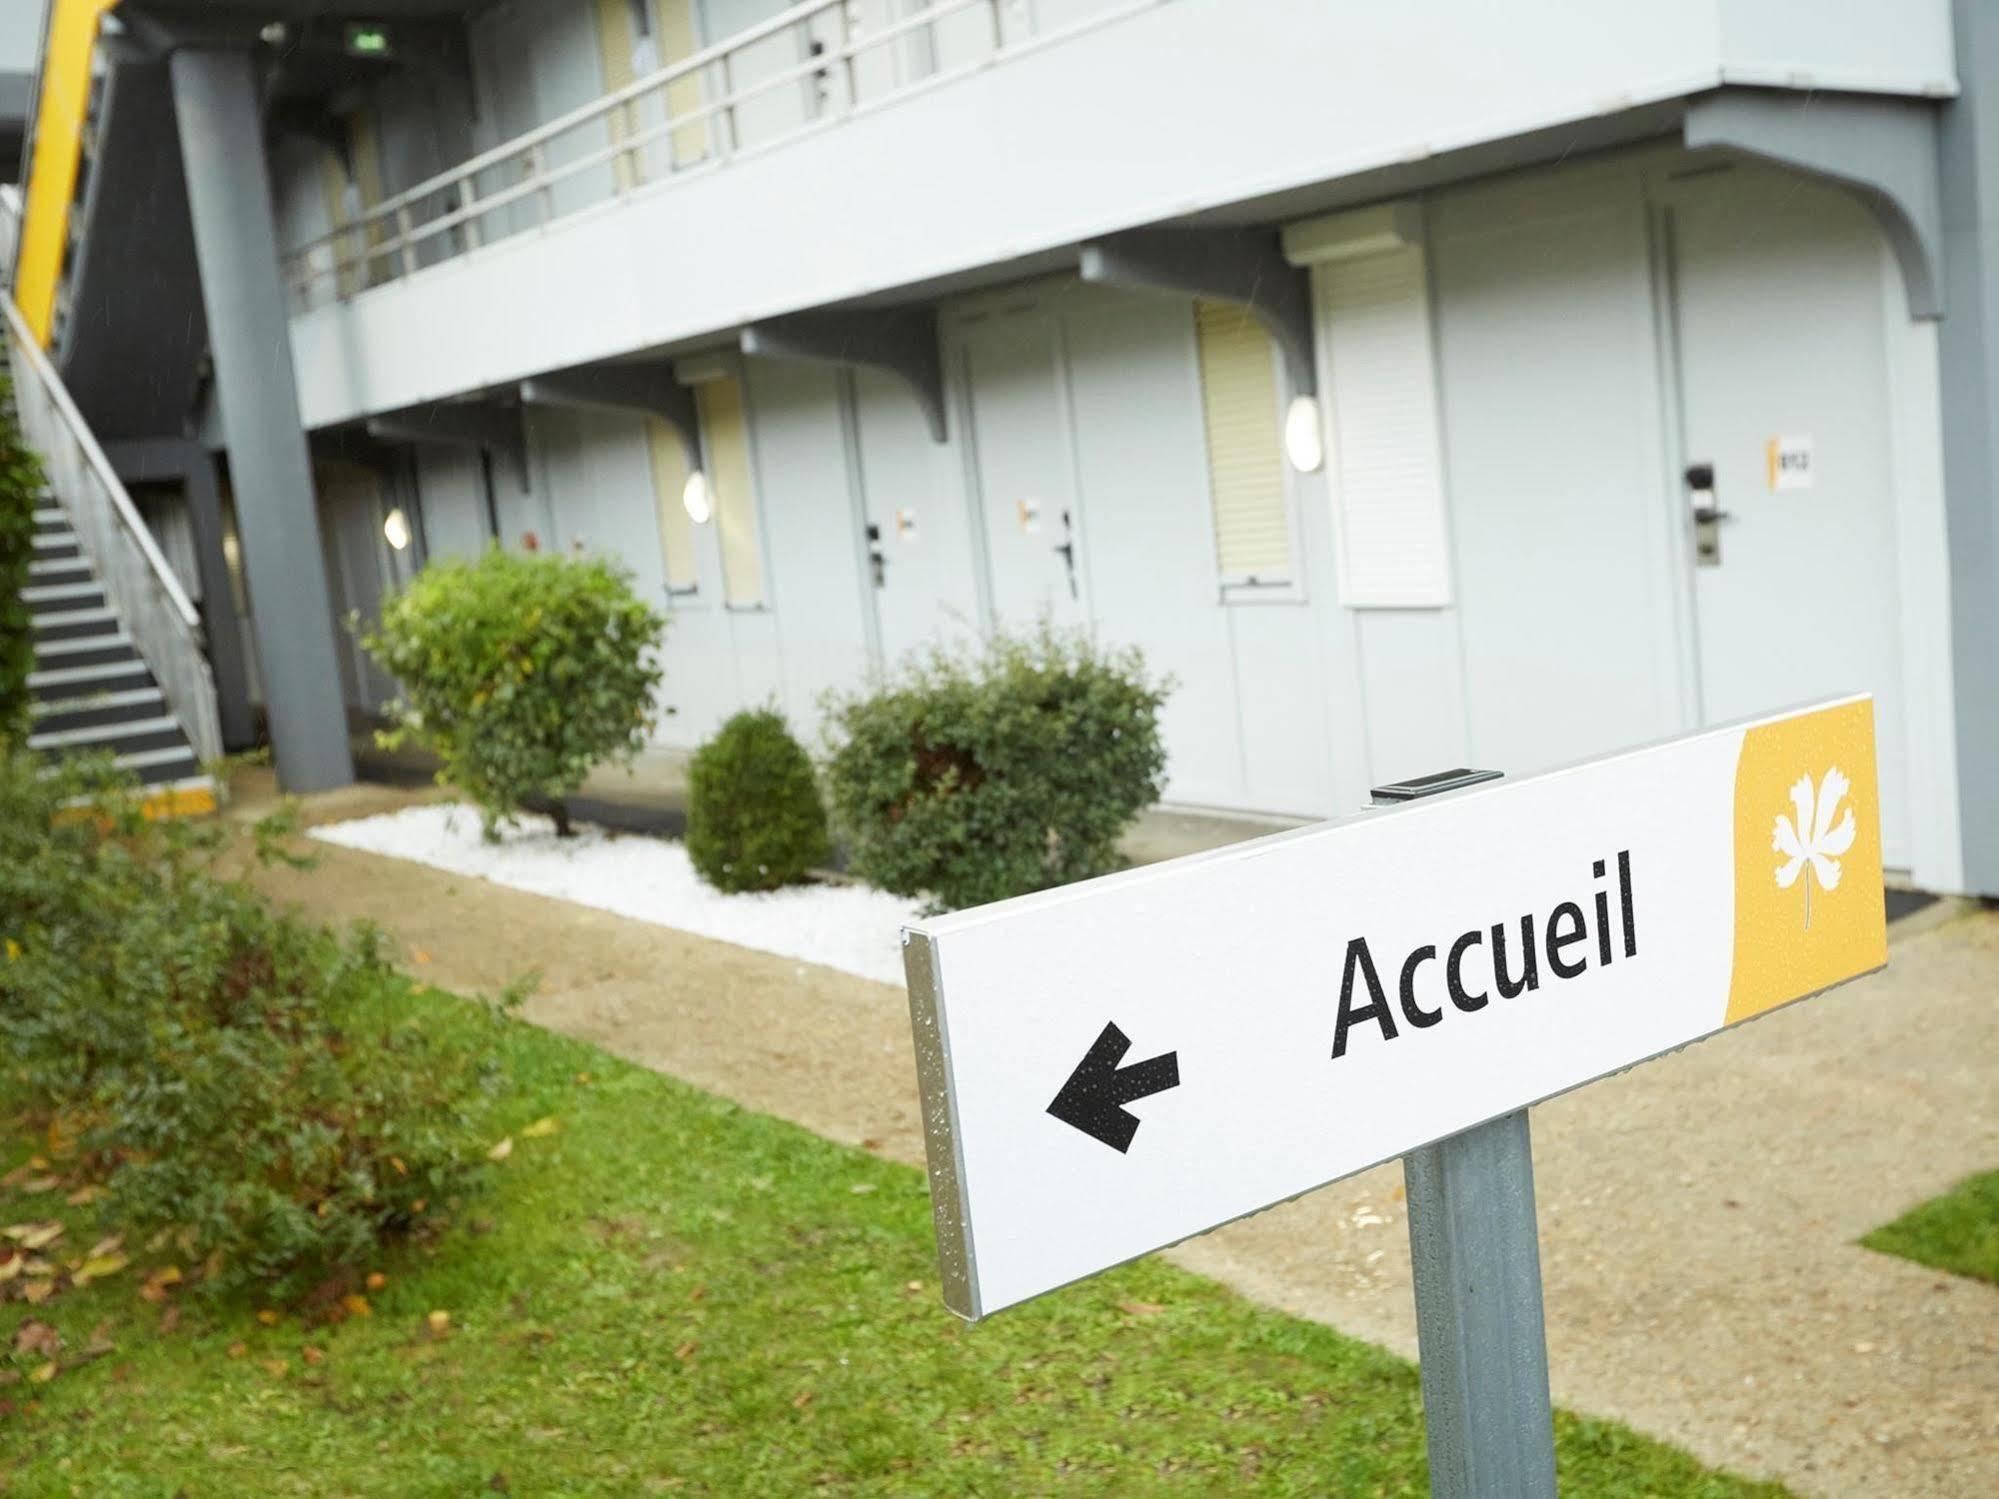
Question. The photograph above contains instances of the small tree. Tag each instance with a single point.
(972, 778)
(754, 819)
(521, 673)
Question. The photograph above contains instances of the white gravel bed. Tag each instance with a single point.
(849, 927)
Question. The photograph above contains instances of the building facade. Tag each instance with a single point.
(1418, 386)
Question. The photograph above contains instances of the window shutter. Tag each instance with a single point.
(676, 527)
(726, 440)
(1245, 450)
(1387, 468)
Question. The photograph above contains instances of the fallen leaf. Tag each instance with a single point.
(109, 1244)
(541, 1128)
(84, 1195)
(35, 1292)
(45, 1373)
(858, 1188)
(99, 1266)
(439, 1323)
(397, 1162)
(418, 955)
(802, 1399)
(268, 1316)
(357, 1305)
(169, 1319)
(36, 1184)
(376, 1280)
(584, 1078)
(277, 1367)
(237, 1350)
(100, 1341)
(501, 1151)
(36, 1336)
(686, 1351)
(914, 1285)
(1141, 1308)
(312, 1355)
(33, 1235)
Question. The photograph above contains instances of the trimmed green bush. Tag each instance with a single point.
(754, 819)
(967, 779)
(521, 674)
(20, 484)
(247, 1090)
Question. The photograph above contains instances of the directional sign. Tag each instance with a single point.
(1307, 1005)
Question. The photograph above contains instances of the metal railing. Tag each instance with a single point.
(691, 116)
(139, 585)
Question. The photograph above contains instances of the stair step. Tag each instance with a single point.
(49, 515)
(51, 593)
(145, 759)
(61, 569)
(98, 733)
(53, 541)
(65, 624)
(66, 676)
(162, 770)
(77, 645)
(94, 702)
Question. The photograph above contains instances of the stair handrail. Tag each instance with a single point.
(164, 625)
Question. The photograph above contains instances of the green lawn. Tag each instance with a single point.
(667, 1294)
(1958, 1231)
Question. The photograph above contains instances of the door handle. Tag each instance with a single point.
(1707, 515)
(1067, 551)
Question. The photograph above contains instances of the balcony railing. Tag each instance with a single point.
(802, 70)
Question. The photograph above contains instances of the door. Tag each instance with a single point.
(1023, 468)
(1788, 469)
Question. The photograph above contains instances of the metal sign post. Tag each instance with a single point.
(1112, 1066)
(1475, 1255)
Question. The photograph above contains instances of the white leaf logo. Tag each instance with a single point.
(1811, 845)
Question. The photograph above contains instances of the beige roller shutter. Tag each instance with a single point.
(615, 42)
(725, 437)
(676, 529)
(1245, 448)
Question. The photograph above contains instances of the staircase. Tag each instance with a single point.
(92, 690)
(119, 665)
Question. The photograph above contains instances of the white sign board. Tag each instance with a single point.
(1787, 463)
(1115, 1065)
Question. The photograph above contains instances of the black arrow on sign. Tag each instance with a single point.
(1093, 1099)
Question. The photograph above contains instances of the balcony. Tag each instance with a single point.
(851, 151)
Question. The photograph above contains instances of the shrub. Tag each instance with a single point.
(754, 819)
(249, 1090)
(972, 778)
(521, 673)
(20, 485)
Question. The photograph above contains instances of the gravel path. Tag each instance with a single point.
(1698, 1214)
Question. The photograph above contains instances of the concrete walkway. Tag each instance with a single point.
(1698, 1214)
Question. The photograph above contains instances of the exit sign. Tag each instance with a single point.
(369, 39)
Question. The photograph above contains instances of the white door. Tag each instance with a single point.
(1785, 432)
(1023, 467)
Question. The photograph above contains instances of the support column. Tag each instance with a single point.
(1968, 358)
(235, 239)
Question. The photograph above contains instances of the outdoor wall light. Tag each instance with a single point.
(396, 529)
(1304, 443)
(695, 499)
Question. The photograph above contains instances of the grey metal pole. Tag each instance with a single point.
(1475, 1250)
(249, 329)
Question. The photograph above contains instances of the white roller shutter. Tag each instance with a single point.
(1386, 463)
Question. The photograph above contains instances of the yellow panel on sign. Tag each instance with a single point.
(1809, 910)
